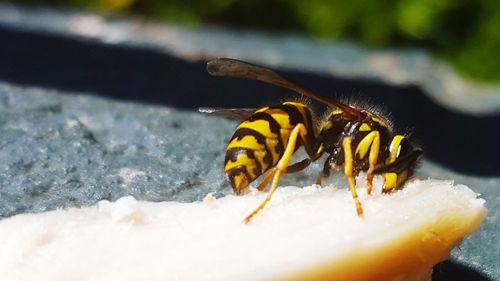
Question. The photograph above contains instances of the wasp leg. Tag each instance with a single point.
(281, 167)
(266, 179)
(369, 142)
(299, 166)
(319, 178)
(348, 171)
(325, 173)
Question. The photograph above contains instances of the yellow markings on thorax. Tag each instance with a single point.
(383, 122)
(327, 125)
(376, 119)
(364, 127)
(337, 111)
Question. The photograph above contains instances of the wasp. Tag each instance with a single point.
(355, 139)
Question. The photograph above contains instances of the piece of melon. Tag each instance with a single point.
(302, 234)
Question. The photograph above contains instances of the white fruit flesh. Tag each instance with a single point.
(303, 234)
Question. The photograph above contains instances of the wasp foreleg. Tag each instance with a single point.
(370, 142)
(281, 167)
(348, 171)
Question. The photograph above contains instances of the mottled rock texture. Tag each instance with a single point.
(68, 150)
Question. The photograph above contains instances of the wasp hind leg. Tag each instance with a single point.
(299, 166)
(281, 168)
(348, 171)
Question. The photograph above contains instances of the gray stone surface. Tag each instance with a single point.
(68, 149)
(71, 150)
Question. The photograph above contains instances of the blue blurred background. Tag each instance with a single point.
(465, 33)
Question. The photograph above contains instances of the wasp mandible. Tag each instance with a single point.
(354, 138)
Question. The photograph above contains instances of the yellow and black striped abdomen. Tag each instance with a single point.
(259, 142)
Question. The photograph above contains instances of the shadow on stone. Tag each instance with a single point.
(453, 271)
(464, 143)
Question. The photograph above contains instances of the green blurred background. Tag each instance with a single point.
(465, 33)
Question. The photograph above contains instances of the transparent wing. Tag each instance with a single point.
(232, 113)
(226, 67)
